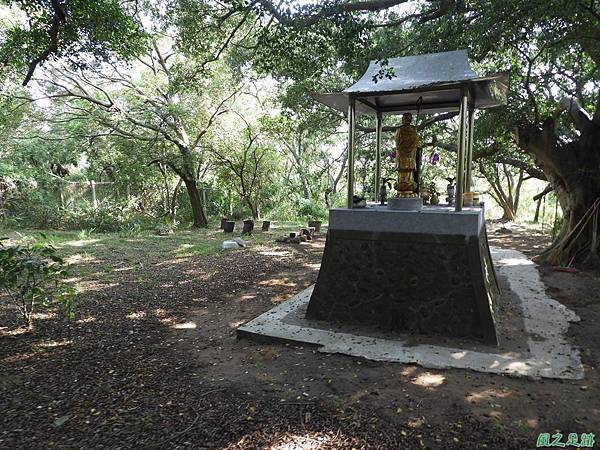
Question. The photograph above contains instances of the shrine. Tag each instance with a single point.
(405, 267)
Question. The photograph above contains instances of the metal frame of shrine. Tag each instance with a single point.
(430, 83)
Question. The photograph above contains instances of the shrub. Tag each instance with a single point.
(312, 210)
(32, 275)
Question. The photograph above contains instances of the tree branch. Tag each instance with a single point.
(580, 117)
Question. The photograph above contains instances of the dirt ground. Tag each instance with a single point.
(152, 361)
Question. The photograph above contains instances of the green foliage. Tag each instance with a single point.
(41, 208)
(31, 275)
(311, 210)
(73, 30)
(269, 145)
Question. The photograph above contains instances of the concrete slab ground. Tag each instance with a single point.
(532, 332)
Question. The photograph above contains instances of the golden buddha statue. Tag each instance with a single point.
(406, 153)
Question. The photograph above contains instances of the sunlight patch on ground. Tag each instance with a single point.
(201, 277)
(78, 259)
(169, 321)
(170, 262)
(87, 319)
(245, 297)
(136, 315)
(429, 380)
(274, 253)
(516, 365)
(301, 442)
(53, 344)
(91, 286)
(532, 423)
(44, 316)
(487, 395)
(81, 243)
(237, 323)
(277, 282)
(5, 331)
(408, 371)
(17, 358)
(185, 326)
(416, 422)
(515, 262)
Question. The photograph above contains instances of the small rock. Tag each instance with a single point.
(229, 244)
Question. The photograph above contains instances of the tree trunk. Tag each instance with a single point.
(573, 169)
(536, 217)
(509, 214)
(254, 208)
(173, 208)
(196, 202)
(541, 197)
(507, 199)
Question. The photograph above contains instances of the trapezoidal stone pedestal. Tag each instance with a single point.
(418, 272)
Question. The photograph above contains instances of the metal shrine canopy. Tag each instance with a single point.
(430, 83)
(436, 78)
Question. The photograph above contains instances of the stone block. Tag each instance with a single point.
(416, 279)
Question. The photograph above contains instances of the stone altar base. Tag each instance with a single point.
(531, 330)
(417, 272)
(405, 204)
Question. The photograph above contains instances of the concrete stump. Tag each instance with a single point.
(248, 227)
(316, 224)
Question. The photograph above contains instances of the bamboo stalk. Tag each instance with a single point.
(568, 241)
(583, 221)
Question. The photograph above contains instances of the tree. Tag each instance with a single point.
(554, 51)
(171, 104)
(71, 29)
(306, 140)
(246, 164)
(552, 48)
(508, 198)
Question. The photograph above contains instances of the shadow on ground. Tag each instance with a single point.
(153, 362)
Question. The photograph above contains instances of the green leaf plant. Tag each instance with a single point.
(32, 276)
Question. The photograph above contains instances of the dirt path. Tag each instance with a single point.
(153, 362)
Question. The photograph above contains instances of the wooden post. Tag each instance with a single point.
(204, 201)
(460, 169)
(229, 204)
(62, 194)
(351, 127)
(94, 198)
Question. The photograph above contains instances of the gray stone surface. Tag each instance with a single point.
(420, 283)
(434, 220)
(405, 204)
(548, 353)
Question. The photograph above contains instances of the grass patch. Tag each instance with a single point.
(180, 244)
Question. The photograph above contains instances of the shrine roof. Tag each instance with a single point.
(433, 80)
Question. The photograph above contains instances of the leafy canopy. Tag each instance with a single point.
(81, 31)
